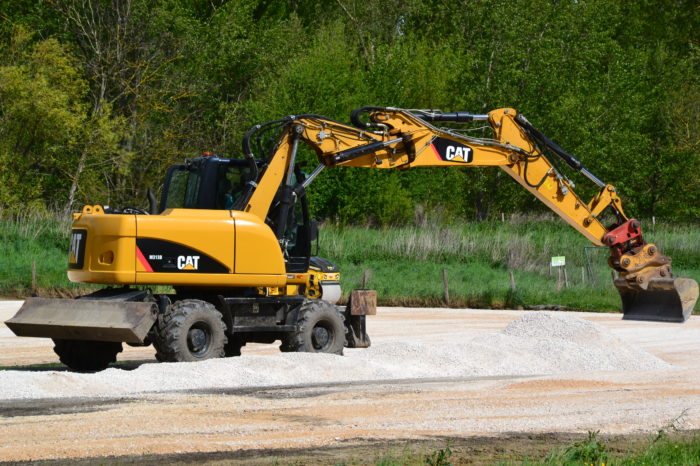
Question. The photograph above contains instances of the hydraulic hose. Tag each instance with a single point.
(453, 117)
(572, 161)
(355, 116)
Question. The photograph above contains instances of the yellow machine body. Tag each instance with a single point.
(206, 248)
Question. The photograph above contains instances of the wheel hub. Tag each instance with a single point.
(197, 340)
(320, 337)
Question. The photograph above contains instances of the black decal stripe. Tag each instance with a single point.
(163, 257)
(78, 238)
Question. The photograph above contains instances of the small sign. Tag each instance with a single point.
(558, 261)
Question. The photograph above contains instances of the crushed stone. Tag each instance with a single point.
(537, 343)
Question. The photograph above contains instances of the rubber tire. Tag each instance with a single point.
(314, 314)
(85, 355)
(173, 326)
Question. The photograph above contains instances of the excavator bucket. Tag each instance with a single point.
(663, 300)
(84, 319)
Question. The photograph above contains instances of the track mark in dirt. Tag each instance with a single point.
(50, 407)
(566, 384)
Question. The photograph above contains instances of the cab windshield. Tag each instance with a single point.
(205, 184)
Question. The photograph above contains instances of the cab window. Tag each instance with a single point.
(183, 189)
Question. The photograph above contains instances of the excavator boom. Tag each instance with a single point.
(395, 138)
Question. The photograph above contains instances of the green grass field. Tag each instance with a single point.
(405, 264)
(674, 448)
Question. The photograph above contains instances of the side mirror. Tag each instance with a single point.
(313, 229)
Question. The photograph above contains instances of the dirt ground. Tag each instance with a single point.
(254, 423)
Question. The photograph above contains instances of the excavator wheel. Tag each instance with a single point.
(191, 330)
(321, 329)
(86, 355)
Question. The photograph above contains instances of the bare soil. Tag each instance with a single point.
(490, 415)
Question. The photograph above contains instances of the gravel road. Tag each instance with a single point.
(429, 372)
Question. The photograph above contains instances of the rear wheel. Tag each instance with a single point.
(191, 330)
(321, 329)
(85, 355)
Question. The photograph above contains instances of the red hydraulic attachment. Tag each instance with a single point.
(623, 239)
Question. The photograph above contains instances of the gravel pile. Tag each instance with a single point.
(535, 344)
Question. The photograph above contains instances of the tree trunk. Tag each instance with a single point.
(74, 185)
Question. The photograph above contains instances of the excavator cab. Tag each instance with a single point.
(205, 183)
(218, 184)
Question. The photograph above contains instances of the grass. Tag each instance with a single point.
(405, 264)
(661, 450)
(664, 449)
(34, 238)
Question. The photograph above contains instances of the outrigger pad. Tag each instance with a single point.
(84, 319)
(664, 300)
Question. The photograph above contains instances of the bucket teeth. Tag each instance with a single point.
(664, 299)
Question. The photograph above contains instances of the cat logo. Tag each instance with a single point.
(188, 262)
(451, 151)
(465, 153)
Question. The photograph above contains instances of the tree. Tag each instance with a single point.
(47, 132)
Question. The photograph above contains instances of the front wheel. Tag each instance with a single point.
(191, 330)
(86, 355)
(321, 329)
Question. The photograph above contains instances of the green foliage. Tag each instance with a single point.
(680, 450)
(405, 264)
(439, 458)
(586, 451)
(46, 126)
(97, 98)
(27, 238)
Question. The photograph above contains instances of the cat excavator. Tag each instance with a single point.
(232, 238)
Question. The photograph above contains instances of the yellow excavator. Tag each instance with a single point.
(233, 237)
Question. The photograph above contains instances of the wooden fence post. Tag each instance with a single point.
(558, 278)
(447, 287)
(33, 278)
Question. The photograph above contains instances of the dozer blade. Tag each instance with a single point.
(664, 300)
(84, 319)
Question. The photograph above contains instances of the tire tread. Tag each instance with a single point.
(169, 334)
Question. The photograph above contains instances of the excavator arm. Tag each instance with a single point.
(400, 139)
